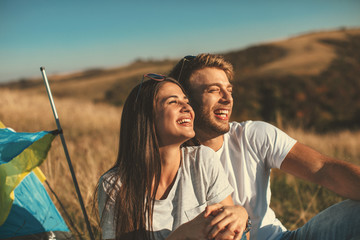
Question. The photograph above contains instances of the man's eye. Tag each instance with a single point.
(173, 101)
(213, 89)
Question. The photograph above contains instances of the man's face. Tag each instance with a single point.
(212, 101)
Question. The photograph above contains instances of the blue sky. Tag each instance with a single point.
(66, 36)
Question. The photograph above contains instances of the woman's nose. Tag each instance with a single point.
(185, 106)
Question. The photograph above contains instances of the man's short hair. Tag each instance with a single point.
(183, 70)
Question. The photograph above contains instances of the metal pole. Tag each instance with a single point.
(42, 69)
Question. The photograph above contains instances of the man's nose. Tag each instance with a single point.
(226, 96)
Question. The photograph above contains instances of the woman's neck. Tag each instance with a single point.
(170, 163)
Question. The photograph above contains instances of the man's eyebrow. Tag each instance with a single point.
(217, 85)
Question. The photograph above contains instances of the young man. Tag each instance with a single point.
(248, 150)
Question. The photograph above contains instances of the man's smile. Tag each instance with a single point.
(222, 114)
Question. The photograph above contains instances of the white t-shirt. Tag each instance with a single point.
(249, 151)
(200, 181)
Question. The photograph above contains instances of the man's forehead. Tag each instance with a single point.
(209, 76)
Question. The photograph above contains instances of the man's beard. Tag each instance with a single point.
(204, 121)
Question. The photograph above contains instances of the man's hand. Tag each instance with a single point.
(229, 222)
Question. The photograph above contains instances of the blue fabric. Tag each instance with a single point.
(32, 211)
(340, 221)
(13, 143)
(20, 153)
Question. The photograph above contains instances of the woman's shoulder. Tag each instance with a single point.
(108, 178)
(198, 155)
(108, 175)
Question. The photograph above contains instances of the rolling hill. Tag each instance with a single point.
(311, 80)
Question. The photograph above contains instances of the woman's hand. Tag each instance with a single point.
(194, 229)
(229, 222)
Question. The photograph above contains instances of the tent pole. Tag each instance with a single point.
(42, 69)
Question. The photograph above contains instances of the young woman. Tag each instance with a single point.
(155, 185)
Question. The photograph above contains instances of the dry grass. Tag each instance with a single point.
(296, 201)
(91, 131)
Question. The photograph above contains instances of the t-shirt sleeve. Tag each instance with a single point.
(106, 210)
(218, 184)
(269, 142)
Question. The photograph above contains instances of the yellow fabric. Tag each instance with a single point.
(13, 172)
(39, 174)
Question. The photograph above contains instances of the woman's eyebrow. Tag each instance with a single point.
(172, 96)
(167, 97)
(175, 96)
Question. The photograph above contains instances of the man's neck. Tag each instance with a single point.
(213, 142)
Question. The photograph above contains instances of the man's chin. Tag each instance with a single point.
(212, 126)
(219, 128)
(223, 130)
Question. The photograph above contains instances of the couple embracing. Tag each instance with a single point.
(184, 171)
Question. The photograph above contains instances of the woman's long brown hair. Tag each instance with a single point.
(138, 165)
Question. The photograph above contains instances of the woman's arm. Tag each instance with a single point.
(219, 221)
(198, 228)
(194, 229)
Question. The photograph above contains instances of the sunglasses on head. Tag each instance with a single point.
(152, 76)
(187, 58)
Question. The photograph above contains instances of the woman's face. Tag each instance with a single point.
(174, 117)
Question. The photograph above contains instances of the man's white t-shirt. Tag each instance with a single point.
(249, 151)
(200, 181)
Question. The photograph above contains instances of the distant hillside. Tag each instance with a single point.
(97, 85)
(311, 80)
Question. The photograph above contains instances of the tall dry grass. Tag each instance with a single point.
(91, 132)
(296, 201)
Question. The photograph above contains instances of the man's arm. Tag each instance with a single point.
(339, 176)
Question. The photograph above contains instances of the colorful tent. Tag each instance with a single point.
(27, 212)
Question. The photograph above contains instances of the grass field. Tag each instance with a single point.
(91, 132)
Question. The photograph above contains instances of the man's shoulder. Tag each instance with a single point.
(250, 132)
(248, 126)
(193, 151)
